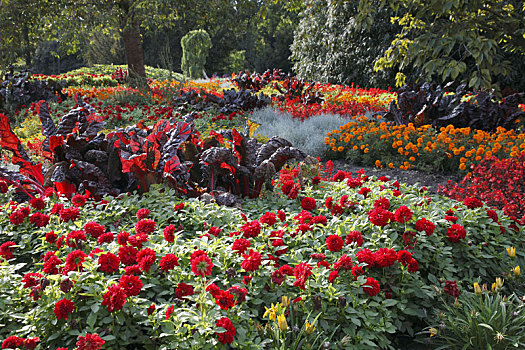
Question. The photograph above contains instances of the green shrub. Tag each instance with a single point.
(195, 46)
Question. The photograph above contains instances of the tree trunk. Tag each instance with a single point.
(133, 49)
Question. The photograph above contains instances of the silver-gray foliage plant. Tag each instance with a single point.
(306, 135)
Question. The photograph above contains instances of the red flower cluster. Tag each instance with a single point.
(39, 219)
(301, 272)
(240, 245)
(94, 229)
(146, 258)
(69, 214)
(78, 200)
(403, 214)
(90, 342)
(169, 233)
(14, 342)
(74, 261)
(354, 237)
(142, 213)
(183, 290)
(5, 250)
(37, 203)
(131, 284)
(473, 203)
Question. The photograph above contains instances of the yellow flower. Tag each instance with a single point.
(271, 312)
(516, 271)
(309, 328)
(512, 252)
(477, 288)
(433, 332)
(391, 165)
(281, 322)
(286, 301)
(499, 282)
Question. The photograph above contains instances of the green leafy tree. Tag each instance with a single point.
(195, 47)
(474, 41)
(328, 46)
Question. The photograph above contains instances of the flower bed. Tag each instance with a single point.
(349, 261)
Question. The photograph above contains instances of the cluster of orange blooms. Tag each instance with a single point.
(156, 89)
(462, 145)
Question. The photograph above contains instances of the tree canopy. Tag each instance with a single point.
(474, 41)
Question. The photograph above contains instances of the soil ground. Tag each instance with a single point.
(410, 177)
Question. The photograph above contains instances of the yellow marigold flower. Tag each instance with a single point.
(340, 149)
(488, 154)
(462, 160)
(378, 163)
(412, 159)
(391, 165)
(355, 148)
(365, 150)
(462, 166)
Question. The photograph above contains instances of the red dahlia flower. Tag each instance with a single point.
(108, 263)
(334, 243)
(94, 229)
(145, 226)
(90, 342)
(183, 290)
(251, 229)
(425, 225)
(69, 214)
(31, 279)
(114, 298)
(225, 337)
(63, 308)
(5, 250)
(473, 203)
(380, 217)
(382, 203)
(169, 233)
(301, 272)
(127, 255)
(143, 213)
(354, 237)
(403, 214)
(344, 263)
(12, 342)
(451, 288)
(240, 245)
(308, 203)
(201, 265)
(74, 261)
(252, 260)
(37, 203)
(225, 300)
(146, 258)
(456, 233)
(78, 200)
(357, 271)
(169, 262)
(39, 219)
(366, 256)
(268, 218)
(385, 257)
(371, 287)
